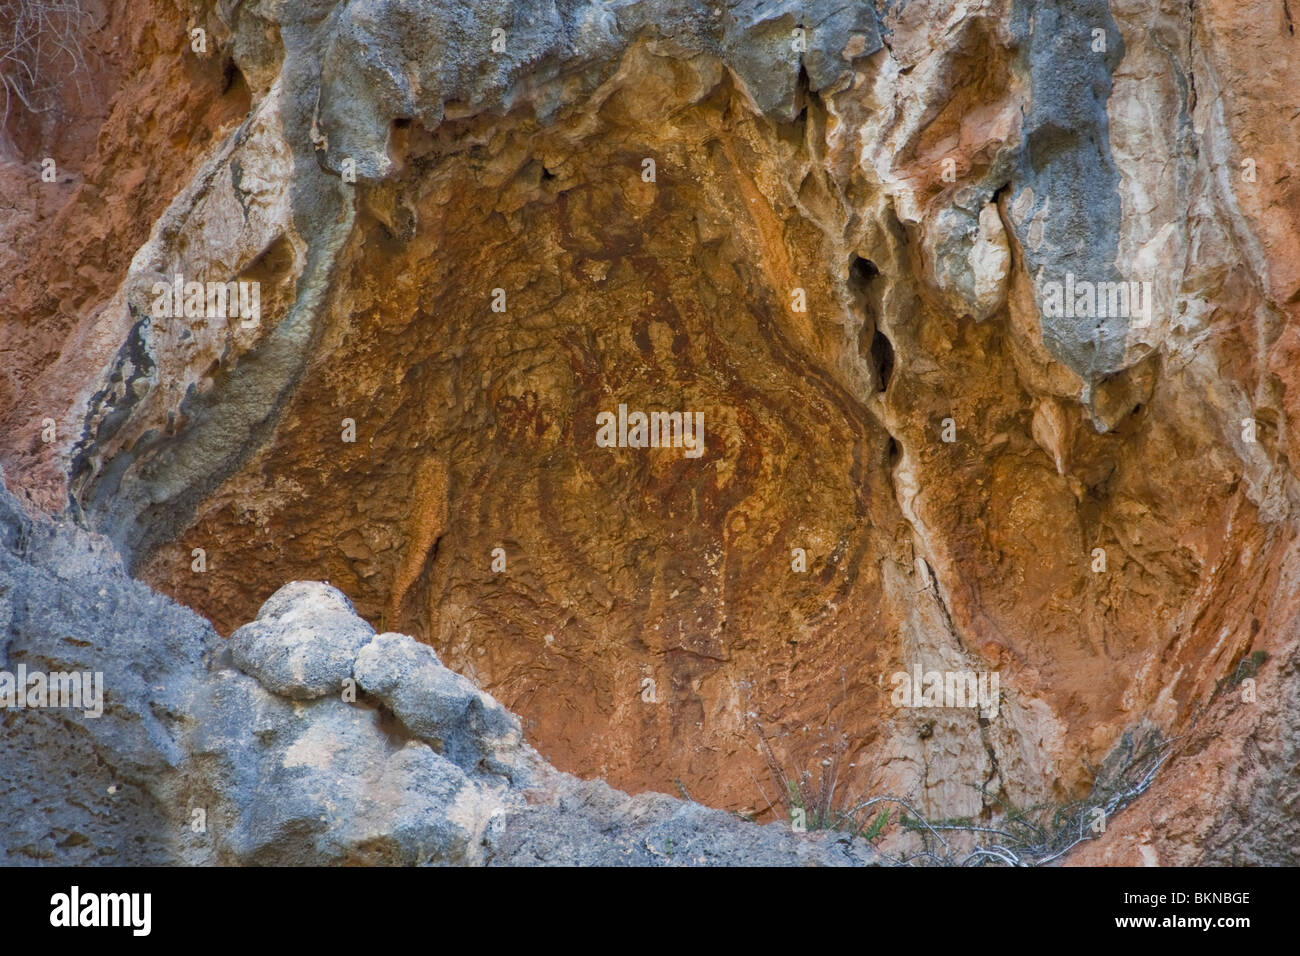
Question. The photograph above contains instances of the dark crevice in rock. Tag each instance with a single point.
(882, 359)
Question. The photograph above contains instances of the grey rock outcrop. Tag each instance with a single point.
(303, 642)
(305, 739)
(438, 706)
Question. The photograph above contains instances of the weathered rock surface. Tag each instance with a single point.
(199, 759)
(303, 643)
(1111, 528)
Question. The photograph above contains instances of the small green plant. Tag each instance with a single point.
(877, 826)
(819, 804)
(796, 796)
(1248, 666)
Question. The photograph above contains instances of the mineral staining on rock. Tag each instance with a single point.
(855, 240)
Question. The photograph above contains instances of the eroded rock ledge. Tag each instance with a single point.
(246, 752)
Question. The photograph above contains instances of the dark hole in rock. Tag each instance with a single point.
(882, 359)
(862, 272)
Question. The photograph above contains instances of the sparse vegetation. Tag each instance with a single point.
(1248, 666)
(38, 48)
(1030, 836)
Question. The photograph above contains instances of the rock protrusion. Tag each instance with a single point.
(303, 642)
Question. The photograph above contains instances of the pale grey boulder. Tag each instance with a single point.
(303, 641)
(306, 783)
(438, 705)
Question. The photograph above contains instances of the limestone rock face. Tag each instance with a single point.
(989, 309)
(196, 758)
